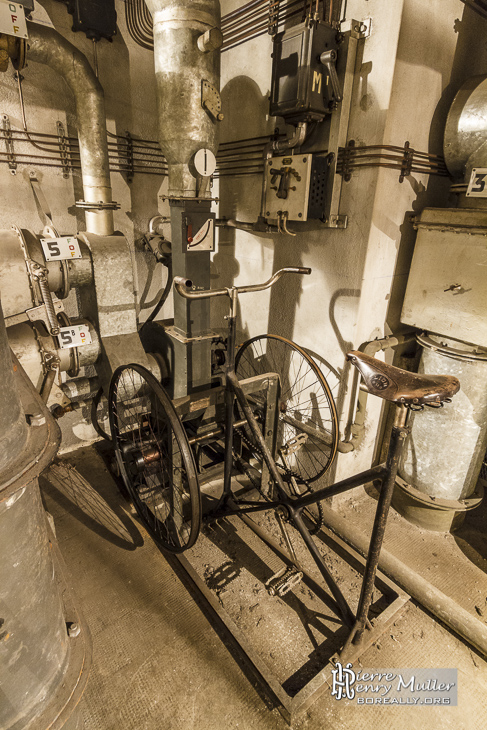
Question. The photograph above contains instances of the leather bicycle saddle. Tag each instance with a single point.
(401, 386)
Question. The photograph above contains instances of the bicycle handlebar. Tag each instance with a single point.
(183, 286)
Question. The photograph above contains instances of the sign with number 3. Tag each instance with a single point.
(477, 187)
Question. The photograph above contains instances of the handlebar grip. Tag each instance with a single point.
(303, 270)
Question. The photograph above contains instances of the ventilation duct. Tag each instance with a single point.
(181, 67)
(47, 46)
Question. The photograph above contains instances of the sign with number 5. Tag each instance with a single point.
(74, 336)
(60, 249)
(477, 187)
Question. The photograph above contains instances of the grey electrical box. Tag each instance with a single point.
(302, 88)
(296, 187)
(446, 290)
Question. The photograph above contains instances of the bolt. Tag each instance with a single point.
(74, 630)
(220, 117)
(36, 420)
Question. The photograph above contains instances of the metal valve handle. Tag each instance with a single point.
(183, 285)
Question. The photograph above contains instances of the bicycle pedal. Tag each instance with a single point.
(283, 581)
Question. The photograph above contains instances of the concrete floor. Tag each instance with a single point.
(159, 664)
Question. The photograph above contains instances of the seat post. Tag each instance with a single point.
(396, 445)
(401, 415)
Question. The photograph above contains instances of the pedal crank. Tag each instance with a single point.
(284, 581)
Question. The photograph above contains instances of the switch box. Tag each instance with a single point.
(96, 18)
(296, 186)
(301, 88)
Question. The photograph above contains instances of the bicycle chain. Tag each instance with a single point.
(257, 452)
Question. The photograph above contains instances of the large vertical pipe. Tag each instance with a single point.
(13, 426)
(45, 45)
(181, 66)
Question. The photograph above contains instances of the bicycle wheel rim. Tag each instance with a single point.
(306, 404)
(154, 457)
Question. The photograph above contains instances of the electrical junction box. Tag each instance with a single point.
(296, 186)
(446, 292)
(96, 18)
(301, 88)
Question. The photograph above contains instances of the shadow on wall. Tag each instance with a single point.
(244, 107)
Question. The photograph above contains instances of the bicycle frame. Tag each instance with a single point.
(385, 473)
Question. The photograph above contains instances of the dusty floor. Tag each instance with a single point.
(158, 664)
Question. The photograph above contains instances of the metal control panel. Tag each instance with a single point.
(296, 187)
(305, 85)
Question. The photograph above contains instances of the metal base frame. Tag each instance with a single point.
(291, 707)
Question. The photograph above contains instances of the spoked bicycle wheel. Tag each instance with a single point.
(307, 436)
(154, 458)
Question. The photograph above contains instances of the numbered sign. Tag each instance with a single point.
(477, 187)
(60, 249)
(74, 336)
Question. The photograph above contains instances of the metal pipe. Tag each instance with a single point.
(45, 45)
(432, 599)
(185, 126)
(255, 227)
(183, 286)
(357, 426)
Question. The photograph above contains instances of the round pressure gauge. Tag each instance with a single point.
(205, 162)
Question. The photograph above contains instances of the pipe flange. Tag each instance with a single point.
(74, 369)
(437, 503)
(64, 291)
(429, 343)
(84, 205)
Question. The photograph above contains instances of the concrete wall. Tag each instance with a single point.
(355, 291)
(404, 84)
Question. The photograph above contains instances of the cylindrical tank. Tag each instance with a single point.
(33, 634)
(181, 67)
(45, 646)
(13, 424)
(444, 452)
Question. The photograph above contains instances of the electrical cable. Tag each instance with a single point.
(162, 298)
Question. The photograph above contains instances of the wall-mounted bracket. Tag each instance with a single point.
(63, 149)
(9, 144)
